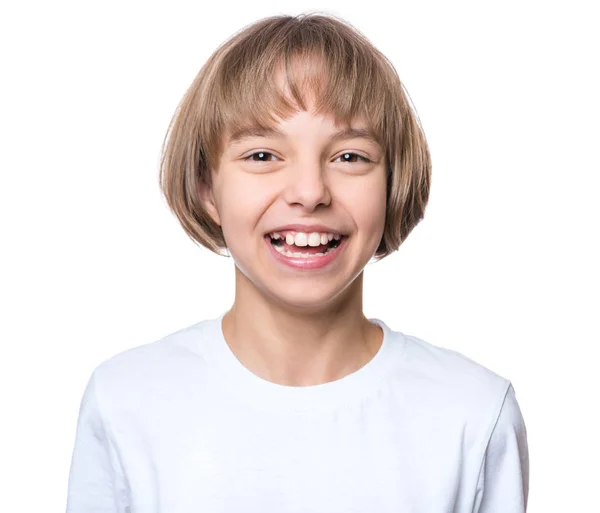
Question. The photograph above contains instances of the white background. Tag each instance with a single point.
(504, 267)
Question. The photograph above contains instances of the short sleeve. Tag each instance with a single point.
(95, 480)
(503, 484)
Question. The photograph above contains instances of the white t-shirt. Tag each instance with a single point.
(180, 425)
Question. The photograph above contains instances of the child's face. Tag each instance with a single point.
(304, 177)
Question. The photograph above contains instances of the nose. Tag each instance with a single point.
(307, 185)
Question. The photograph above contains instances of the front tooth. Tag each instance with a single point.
(300, 239)
(324, 239)
(314, 239)
(289, 239)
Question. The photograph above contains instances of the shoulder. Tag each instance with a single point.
(470, 400)
(449, 383)
(149, 368)
(442, 366)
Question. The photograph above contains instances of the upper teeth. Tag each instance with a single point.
(306, 239)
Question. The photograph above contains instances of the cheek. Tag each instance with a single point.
(242, 205)
(368, 205)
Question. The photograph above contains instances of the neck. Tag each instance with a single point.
(299, 345)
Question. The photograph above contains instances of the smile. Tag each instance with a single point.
(297, 253)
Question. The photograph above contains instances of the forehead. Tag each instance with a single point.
(293, 91)
(242, 133)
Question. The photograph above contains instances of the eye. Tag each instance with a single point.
(262, 156)
(350, 157)
(265, 156)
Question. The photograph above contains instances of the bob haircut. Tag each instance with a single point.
(319, 54)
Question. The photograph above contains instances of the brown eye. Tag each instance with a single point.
(352, 157)
(262, 156)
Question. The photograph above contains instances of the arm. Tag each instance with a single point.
(503, 484)
(96, 483)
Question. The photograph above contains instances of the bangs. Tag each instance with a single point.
(270, 77)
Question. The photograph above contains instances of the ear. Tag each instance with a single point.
(208, 201)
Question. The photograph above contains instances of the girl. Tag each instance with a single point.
(296, 152)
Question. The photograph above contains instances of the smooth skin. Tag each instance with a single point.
(300, 327)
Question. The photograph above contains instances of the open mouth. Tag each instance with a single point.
(304, 251)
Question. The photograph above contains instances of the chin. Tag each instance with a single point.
(307, 297)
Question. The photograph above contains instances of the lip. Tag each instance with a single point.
(306, 228)
(308, 263)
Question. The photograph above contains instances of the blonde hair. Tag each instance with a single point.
(235, 89)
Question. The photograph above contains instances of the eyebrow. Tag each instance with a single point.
(255, 131)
